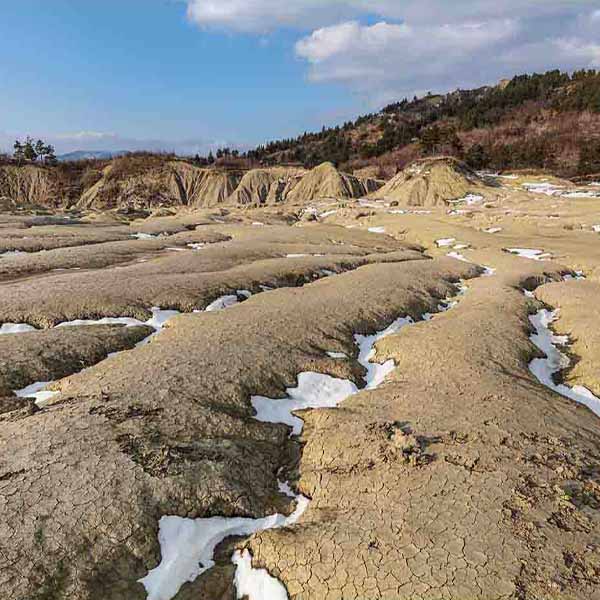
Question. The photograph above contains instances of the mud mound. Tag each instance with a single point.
(28, 186)
(261, 186)
(171, 184)
(433, 182)
(325, 181)
(202, 188)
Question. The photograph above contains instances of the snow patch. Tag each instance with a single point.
(530, 253)
(377, 229)
(544, 369)
(7, 328)
(493, 230)
(445, 242)
(38, 392)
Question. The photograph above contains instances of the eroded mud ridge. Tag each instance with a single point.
(277, 403)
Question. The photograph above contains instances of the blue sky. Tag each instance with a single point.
(186, 75)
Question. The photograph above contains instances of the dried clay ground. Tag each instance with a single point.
(460, 476)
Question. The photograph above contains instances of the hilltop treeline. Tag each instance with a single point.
(517, 124)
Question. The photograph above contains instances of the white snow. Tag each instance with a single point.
(596, 228)
(493, 230)
(545, 368)
(222, 303)
(244, 293)
(38, 392)
(197, 246)
(397, 211)
(376, 373)
(445, 242)
(457, 256)
(337, 355)
(295, 255)
(188, 545)
(327, 214)
(530, 253)
(314, 390)
(545, 188)
(256, 584)
(580, 194)
(258, 224)
(6, 328)
(377, 229)
(469, 199)
(144, 236)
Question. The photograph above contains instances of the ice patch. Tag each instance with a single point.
(545, 188)
(530, 253)
(7, 328)
(187, 547)
(469, 199)
(544, 369)
(38, 392)
(314, 390)
(144, 236)
(256, 584)
(222, 303)
(457, 256)
(327, 214)
(579, 194)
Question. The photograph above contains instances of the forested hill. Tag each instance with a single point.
(549, 121)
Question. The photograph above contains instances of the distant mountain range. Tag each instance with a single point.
(91, 155)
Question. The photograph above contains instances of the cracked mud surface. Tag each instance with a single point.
(460, 477)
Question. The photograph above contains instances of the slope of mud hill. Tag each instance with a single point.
(461, 478)
(463, 474)
(135, 186)
(325, 181)
(433, 182)
(168, 429)
(579, 317)
(26, 358)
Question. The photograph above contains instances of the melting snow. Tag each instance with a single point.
(377, 229)
(144, 236)
(38, 392)
(15, 328)
(445, 242)
(545, 368)
(530, 253)
(222, 303)
(543, 188)
(188, 545)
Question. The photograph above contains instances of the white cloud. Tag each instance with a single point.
(418, 45)
(260, 16)
(389, 60)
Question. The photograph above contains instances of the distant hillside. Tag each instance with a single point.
(549, 121)
(90, 155)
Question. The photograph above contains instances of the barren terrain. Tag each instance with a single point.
(312, 386)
